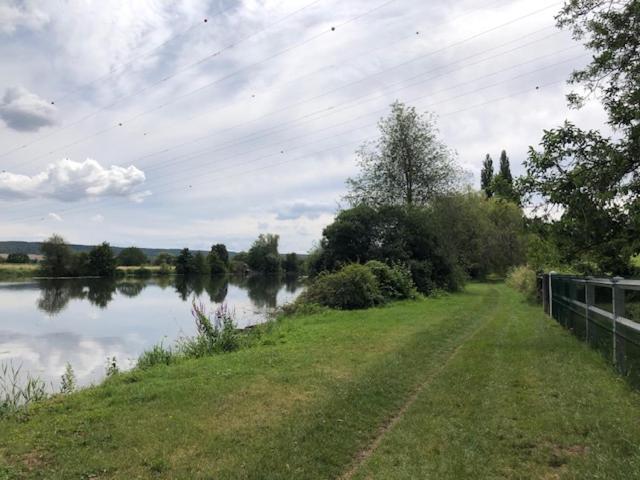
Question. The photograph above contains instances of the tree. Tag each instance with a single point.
(407, 165)
(102, 263)
(502, 184)
(184, 262)
(200, 265)
(132, 257)
(505, 167)
(164, 258)
(218, 259)
(57, 257)
(291, 263)
(390, 234)
(221, 251)
(486, 176)
(18, 258)
(590, 180)
(263, 255)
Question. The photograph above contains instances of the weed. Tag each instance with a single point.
(68, 380)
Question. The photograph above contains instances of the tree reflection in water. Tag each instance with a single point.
(55, 294)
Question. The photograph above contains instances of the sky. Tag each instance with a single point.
(173, 124)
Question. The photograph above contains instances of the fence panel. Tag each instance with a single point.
(604, 312)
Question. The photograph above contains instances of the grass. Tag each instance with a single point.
(11, 271)
(473, 385)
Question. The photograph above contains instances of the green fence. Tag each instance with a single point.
(605, 312)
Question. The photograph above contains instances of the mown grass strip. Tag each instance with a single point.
(522, 399)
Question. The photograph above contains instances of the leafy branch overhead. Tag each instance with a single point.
(592, 179)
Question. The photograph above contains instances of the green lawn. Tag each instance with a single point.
(473, 385)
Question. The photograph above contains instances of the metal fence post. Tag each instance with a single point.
(551, 293)
(617, 294)
(588, 301)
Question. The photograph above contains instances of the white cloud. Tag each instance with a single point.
(25, 14)
(25, 111)
(304, 209)
(71, 181)
(217, 153)
(97, 218)
(55, 216)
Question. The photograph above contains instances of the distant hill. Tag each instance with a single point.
(33, 248)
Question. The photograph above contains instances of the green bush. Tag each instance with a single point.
(394, 282)
(352, 287)
(523, 279)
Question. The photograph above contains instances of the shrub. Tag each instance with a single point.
(164, 269)
(523, 279)
(157, 355)
(395, 282)
(352, 287)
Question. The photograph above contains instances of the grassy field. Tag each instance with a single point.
(14, 270)
(473, 385)
(9, 271)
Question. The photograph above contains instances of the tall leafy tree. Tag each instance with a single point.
(486, 176)
(407, 165)
(263, 256)
(505, 167)
(502, 183)
(57, 257)
(590, 179)
(291, 263)
(218, 259)
(101, 261)
(184, 262)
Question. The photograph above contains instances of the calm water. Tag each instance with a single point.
(46, 323)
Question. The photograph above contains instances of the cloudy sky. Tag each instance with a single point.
(170, 124)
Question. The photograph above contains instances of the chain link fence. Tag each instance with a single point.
(604, 312)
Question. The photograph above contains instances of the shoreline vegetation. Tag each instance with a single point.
(308, 394)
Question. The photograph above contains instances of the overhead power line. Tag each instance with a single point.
(199, 89)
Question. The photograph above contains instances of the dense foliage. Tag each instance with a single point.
(590, 181)
(218, 259)
(18, 258)
(353, 286)
(132, 257)
(60, 261)
(263, 256)
(456, 236)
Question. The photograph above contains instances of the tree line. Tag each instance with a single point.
(59, 260)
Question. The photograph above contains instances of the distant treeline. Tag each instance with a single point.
(60, 260)
(35, 248)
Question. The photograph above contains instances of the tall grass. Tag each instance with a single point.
(216, 333)
(523, 279)
(17, 393)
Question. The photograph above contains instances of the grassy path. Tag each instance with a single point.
(521, 399)
(474, 385)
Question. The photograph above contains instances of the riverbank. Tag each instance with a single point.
(472, 385)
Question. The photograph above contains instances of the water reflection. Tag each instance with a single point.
(45, 323)
(55, 294)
